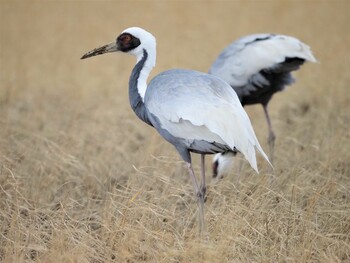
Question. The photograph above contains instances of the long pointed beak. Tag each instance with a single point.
(112, 47)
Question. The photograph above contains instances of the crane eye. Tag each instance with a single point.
(126, 38)
(127, 42)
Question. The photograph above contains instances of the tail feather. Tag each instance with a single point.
(261, 151)
(251, 157)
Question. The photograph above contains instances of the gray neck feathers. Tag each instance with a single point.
(134, 97)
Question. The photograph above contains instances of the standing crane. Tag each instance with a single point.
(257, 66)
(189, 109)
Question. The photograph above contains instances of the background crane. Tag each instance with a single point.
(257, 66)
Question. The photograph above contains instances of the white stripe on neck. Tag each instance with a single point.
(145, 71)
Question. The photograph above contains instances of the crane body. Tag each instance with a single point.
(183, 106)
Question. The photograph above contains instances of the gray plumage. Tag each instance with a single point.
(187, 123)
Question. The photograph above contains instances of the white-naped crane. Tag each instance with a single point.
(194, 111)
(256, 67)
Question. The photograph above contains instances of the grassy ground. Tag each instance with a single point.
(83, 180)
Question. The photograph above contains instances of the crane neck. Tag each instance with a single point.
(138, 85)
(148, 59)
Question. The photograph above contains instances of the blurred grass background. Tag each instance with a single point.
(83, 180)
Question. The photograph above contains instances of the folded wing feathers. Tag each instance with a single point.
(228, 120)
(235, 130)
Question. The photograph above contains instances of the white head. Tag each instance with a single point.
(147, 41)
(133, 40)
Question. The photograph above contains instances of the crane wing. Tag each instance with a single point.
(196, 106)
(240, 63)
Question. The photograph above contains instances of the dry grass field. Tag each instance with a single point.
(83, 180)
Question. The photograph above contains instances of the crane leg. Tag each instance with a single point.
(203, 187)
(200, 193)
(272, 137)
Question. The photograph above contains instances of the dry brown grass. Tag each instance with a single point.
(83, 180)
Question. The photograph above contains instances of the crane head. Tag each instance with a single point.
(132, 40)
